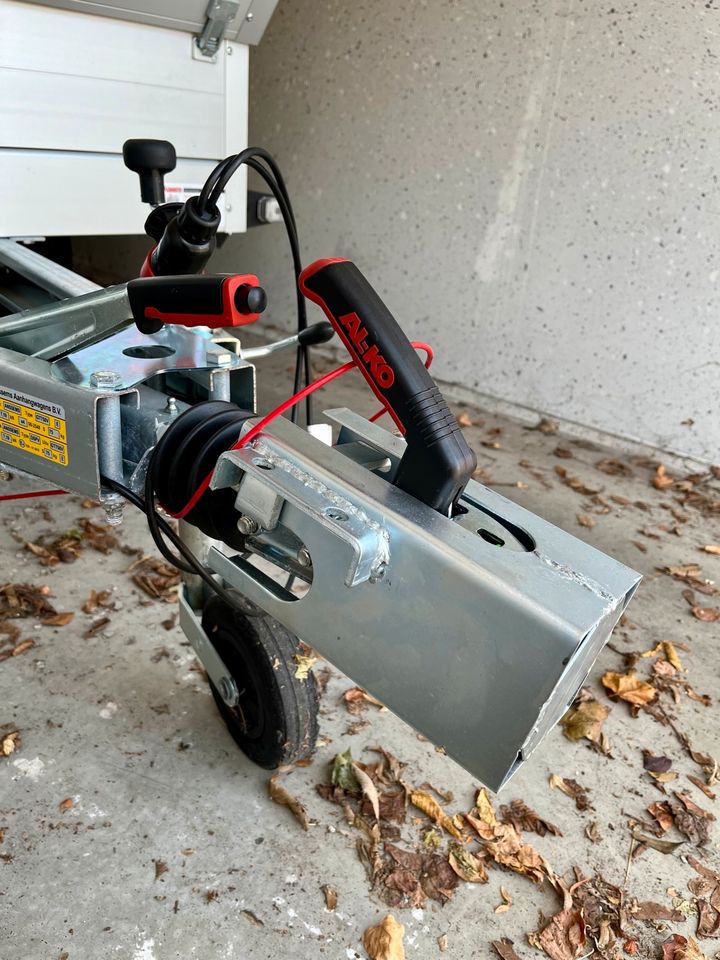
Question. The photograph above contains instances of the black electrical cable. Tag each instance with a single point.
(189, 563)
(208, 199)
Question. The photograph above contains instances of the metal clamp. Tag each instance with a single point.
(219, 14)
(284, 476)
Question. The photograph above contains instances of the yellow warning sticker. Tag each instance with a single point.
(33, 425)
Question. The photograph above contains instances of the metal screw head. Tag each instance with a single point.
(106, 380)
(249, 16)
(377, 572)
(226, 689)
(304, 558)
(229, 51)
(247, 526)
(334, 514)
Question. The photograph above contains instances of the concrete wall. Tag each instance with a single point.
(531, 185)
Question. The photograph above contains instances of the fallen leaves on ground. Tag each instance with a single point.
(706, 614)
(713, 548)
(505, 949)
(156, 578)
(10, 739)
(160, 868)
(564, 936)
(575, 483)
(281, 795)
(706, 888)
(526, 819)
(98, 598)
(304, 664)
(330, 894)
(385, 940)
(357, 700)
(678, 947)
(584, 720)
(629, 687)
(431, 808)
(571, 788)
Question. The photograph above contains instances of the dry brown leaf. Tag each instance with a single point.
(649, 910)
(706, 614)
(584, 719)
(356, 700)
(385, 940)
(330, 894)
(9, 740)
(58, 620)
(506, 901)
(571, 788)
(431, 808)
(712, 548)
(655, 764)
(575, 483)
(710, 794)
(564, 936)
(504, 949)
(66, 804)
(629, 687)
(467, 865)
(280, 795)
(368, 788)
(252, 918)
(523, 817)
(546, 425)
(160, 868)
(464, 419)
(678, 947)
(442, 942)
(304, 665)
(661, 481)
(584, 520)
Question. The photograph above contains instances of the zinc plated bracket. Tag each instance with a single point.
(366, 542)
(207, 654)
(219, 14)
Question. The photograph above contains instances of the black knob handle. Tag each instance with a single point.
(150, 159)
(249, 299)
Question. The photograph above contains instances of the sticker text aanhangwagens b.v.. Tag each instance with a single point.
(33, 425)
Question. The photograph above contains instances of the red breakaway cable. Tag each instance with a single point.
(282, 408)
(32, 493)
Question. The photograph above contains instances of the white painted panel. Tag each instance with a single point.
(74, 87)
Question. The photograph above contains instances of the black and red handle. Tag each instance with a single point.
(438, 462)
(196, 301)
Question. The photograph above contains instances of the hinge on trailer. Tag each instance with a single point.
(218, 15)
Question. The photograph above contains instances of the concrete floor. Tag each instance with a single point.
(123, 726)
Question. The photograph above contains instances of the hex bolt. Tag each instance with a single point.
(304, 558)
(247, 526)
(106, 380)
(171, 405)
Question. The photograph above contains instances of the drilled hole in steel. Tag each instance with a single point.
(338, 515)
(153, 351)
(491, 537)
(263, 464)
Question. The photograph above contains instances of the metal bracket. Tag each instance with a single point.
(207, 654)
(219, 14)
(364, 541)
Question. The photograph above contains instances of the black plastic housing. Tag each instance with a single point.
(438, 462)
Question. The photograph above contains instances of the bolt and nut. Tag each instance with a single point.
(106, 380)
(247, 526)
